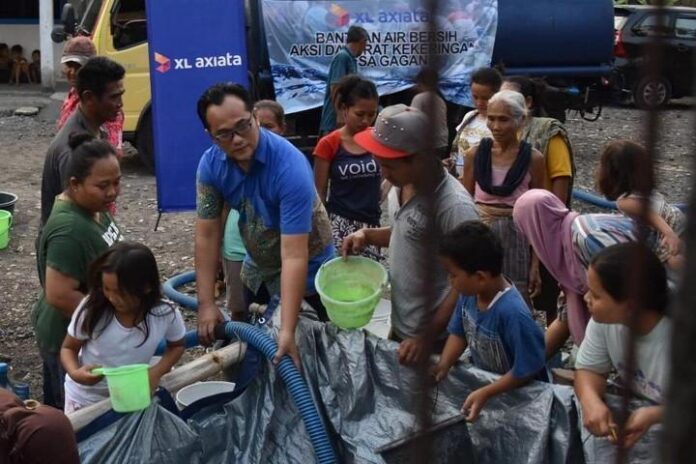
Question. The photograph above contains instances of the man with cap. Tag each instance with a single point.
(429, 203)
(99, 87)
(75, 54)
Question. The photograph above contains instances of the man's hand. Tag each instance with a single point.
(287, 345)
(413, 350)
(474, 403)
(208, 317)
(597, 419)
(639, 422)
(84, 375)
(354, 244)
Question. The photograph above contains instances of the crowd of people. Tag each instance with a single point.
(479, 234)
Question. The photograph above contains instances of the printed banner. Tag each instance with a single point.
(192, 45)
(303, 37)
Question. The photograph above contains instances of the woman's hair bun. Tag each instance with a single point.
(78, 138)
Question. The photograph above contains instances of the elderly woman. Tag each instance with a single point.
(496, 173)
(78, 230)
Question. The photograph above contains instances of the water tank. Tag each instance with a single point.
(554, 33)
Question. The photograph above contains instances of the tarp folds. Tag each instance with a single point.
(367, 400)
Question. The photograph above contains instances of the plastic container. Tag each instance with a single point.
(129, 386)
(197, 391)
(350, 289)
(4, 373)
(7, 201)
(5, 224)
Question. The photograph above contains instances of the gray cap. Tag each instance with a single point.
(78, 50)
(399, 132)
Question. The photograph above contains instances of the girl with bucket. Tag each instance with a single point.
(120, 323)
(78, 230)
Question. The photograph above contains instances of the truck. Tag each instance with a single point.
(568, 43)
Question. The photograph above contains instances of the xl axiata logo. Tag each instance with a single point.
(213, 61)
(163, 62)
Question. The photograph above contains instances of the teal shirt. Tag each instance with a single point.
(232, 246)
(344, 63)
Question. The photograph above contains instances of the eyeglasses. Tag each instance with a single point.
(242, 129)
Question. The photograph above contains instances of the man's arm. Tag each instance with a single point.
(208, 240)
(294, 253)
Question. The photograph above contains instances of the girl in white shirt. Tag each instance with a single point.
(121, 321)
(613, 274)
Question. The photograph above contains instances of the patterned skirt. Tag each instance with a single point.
(342, 227)
(516, 251)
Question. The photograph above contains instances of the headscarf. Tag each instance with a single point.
(546, 223)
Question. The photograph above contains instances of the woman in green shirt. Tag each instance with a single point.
(78, 230)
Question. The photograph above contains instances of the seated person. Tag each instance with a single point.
(20, 66)
(604, 346)
(35, 67)
(491, 316)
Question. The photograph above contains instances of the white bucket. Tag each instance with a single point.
(189, 395)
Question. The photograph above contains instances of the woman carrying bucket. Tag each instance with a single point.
(78, 230)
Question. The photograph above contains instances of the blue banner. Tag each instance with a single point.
(192, 45)
(303, 37)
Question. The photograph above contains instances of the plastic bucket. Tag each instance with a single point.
(7, 201)
(5, 224)
(129, 386)
(189, 395)
(350, 289)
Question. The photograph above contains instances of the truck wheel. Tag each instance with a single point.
(145, 144)
(652, 93)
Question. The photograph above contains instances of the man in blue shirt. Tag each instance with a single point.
(283, 224)
(345, 62)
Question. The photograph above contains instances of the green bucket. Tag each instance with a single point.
(5, 224)
(129, 386)
(350, 289)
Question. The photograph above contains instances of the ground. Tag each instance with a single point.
(24, 144)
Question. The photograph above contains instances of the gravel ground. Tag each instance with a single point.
(25, 140)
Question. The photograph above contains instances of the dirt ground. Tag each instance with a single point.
(24, 144)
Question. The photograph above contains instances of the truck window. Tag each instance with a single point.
(128, 24)
(652, 25)
(685, 27)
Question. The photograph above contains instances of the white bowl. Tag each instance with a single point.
(192, 393)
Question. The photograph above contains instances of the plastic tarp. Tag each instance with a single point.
(367, 400)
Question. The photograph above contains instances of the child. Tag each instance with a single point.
(491, 316)
(35, 67)
(270, 115)
(604, 346)
(485, 82)
(20, 66)
(349, 178)
(618, 178)
(5, 63)
(121, 321)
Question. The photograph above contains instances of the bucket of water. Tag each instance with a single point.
(5, 224)
(350, 289)
(129, 386)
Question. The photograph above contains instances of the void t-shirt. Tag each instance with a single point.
(355, 179)
(113, 345)
(502, 338)
(604, 348)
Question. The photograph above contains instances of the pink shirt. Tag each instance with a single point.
(497, 178)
